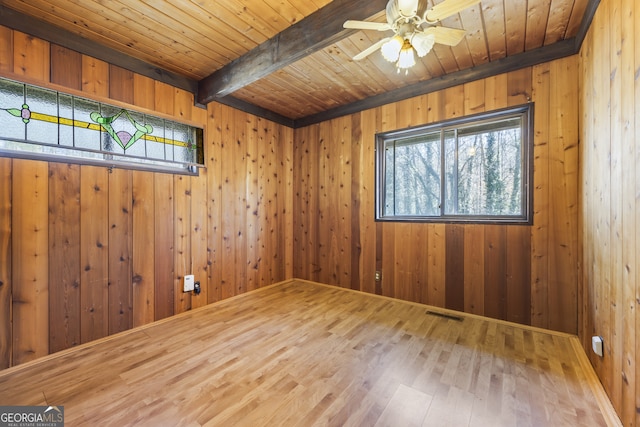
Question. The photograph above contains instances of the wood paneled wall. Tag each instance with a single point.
(526, 274)
(87, 251)
(610, 199)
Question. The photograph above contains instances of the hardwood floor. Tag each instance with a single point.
(300, 354)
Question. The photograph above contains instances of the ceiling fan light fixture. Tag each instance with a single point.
(391, 49)
(423, 43)
(407, 57)
(408, 8)
(406, 18)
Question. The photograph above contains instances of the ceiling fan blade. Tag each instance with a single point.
(368, 51)
(366, 25)
(408, 8)
(447, 8)
(446, 35)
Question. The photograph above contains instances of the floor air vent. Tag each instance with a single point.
(446, 316)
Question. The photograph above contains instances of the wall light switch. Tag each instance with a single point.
(189, 280)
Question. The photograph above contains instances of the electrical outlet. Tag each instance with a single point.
(378, 276)
(596, 345)
(189, 281)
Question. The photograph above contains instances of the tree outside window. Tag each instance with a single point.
(474, 169)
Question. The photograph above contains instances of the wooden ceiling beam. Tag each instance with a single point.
(313, 33)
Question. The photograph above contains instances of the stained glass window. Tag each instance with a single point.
(43, 123)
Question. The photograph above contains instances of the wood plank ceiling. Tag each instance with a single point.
(290, 60)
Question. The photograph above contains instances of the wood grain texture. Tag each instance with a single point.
(312, 34)
(454, 285)
(177, 44)
(541, 214)
(274, 220)
(235, 45)
(95, 76)
(163, 101)
(6, 49)
(199, 232)
(518, 276)
(615, 200)
(121, 84)
(64, 256)
(66, 67)
(367, 229)
(484, 269)
(30, 260)
(268, 173)
(182, 261)
(254, 207)
(143, 252)
(6, 297)
(238, 149)
(303, 353)
(563, 155)
(496, 32)
(608, 178)
(285, 200)
(143, 92)
(94, 255)
(608, 207)
(110, 243)
(120, 249)
(474, 280)
(629, 155)
(36, 64)
(214, 200)
(356, 248)
(164, 248)
(300, 202)
(495, 290)
(227, 224)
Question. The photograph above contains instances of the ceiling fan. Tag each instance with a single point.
(414, 32)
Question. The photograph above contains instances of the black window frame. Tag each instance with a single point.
(524, 111)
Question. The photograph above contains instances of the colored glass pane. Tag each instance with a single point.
(65, 128)
(43, 126)
(43, 117)
(12, 100)
(85, 135)
(154, 146)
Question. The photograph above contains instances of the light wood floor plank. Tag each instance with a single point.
(304, 354)
(407, 407)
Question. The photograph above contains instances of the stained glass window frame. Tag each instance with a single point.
(101, 132)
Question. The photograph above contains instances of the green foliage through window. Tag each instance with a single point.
(473, 169)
